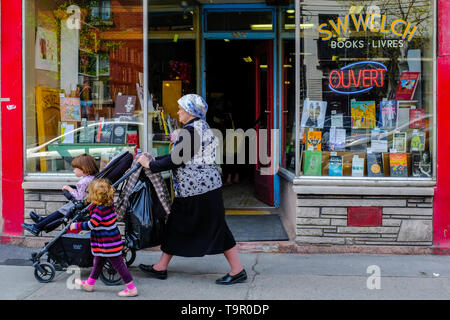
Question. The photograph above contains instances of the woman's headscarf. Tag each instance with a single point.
(194, 105)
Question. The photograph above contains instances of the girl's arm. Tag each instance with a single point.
(80, 192)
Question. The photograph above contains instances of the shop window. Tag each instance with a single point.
(239, 21)
(367, 89)
(84, 80)
(172, 74)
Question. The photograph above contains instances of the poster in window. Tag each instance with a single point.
(421, 164)
(407, 85)
(313, 115)
(389, 112)
(70, 109)
(363, 114)
(46, 50)
(124, 106)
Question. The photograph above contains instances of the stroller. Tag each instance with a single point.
(73, 249)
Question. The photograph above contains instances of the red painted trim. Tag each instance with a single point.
(11, 122)
(441, 203)
(364, 216)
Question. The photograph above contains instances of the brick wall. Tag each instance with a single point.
(405, 220)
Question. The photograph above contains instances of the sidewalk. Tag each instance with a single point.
(272, 276)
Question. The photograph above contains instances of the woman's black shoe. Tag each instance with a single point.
(154, 273)
(30, 227)
(227, 279)
(35, 217)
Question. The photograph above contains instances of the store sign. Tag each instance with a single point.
(357, 77)
(373, 22)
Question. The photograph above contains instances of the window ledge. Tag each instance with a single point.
(364, 186)
(286, 174)
(48, 181)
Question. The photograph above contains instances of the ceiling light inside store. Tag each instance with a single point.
(290, 11)
(355, 9)
(247, 59)
(261, 26)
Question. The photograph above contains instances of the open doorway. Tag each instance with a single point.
(231, 87)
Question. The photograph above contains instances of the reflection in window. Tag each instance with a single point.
(367, 89)
(84, 72)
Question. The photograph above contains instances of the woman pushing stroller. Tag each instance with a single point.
(84, 167)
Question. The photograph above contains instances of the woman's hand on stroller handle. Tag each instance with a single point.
(144, 160)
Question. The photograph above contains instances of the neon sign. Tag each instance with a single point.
(357, 77)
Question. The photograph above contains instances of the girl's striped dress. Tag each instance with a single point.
(106, 240)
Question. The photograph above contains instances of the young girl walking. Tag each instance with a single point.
(84, 167)
(106, 241)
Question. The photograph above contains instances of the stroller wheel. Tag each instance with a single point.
(129, 255)
(44, 272)
(109, 276)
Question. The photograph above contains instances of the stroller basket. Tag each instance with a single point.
(72, 249)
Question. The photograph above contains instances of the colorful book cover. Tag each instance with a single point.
(106, 133)
(421, 164)
(363, 114)
(87, 133)
(313, 114)
(417, 118)
(119, 134)
(337, 139)
(124, 106)
(399, 142)
(314, 140)
(417, 140)
(398, 165)
(335, 166)
(407, 85)
(70, 109)
(389, 112)
(357, 166)
(67, 135)
(313, 163)
(379, 140)
(358, 140)
(375, 164)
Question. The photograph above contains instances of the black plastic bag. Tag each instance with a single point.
(144, 228)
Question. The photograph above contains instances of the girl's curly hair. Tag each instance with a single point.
(101, 192)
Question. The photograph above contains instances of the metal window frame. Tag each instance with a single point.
(364, 181)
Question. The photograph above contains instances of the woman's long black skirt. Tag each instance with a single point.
(196, 226)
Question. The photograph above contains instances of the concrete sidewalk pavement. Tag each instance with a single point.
(271, 277)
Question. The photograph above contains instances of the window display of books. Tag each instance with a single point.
(386, 137)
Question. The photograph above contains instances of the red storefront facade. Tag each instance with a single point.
(12, 120)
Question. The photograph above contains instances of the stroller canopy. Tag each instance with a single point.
(116, 167)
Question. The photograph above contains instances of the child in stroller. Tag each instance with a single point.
(66, 249)
(84, 167)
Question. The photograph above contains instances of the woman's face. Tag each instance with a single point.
(183, 115)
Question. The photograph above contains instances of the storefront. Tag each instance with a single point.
(346, 92)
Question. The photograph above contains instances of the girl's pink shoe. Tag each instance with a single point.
(128, 293)
(83, 284)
